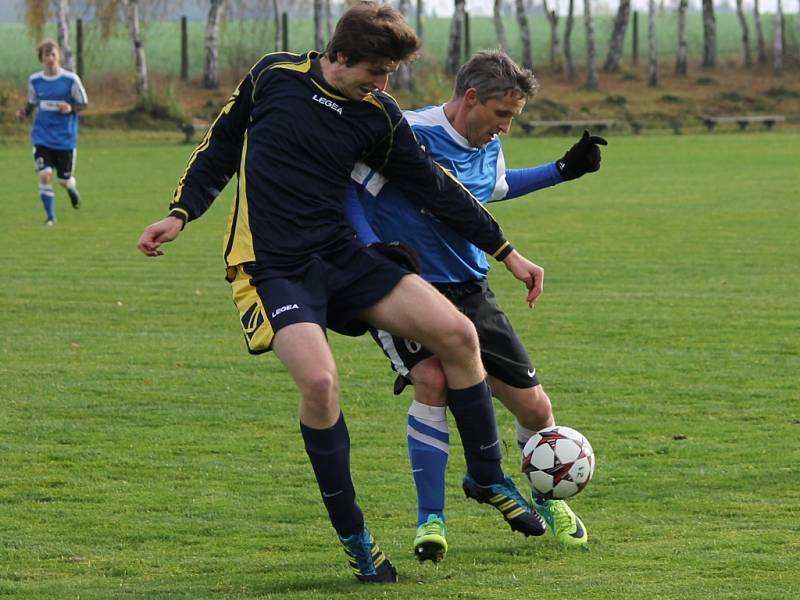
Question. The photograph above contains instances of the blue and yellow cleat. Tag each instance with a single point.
(506, 498)
(565, 524)
(430, 543)
(369, 564)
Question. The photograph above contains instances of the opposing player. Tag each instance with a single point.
(292, 132)
(57, 96)
(463, 136)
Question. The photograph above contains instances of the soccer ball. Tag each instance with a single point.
(559, 462)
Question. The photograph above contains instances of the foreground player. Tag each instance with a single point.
(463, 136)
(292, 132)
(58, 96)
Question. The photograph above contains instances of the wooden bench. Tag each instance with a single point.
(566, 126)
(743, 120)
(192, 128)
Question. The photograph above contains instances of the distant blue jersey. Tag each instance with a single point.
(446, 256)
(51, 128)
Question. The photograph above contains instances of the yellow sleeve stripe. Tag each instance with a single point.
(500, 249)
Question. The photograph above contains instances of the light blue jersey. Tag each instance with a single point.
(51, 128)
(447, 257)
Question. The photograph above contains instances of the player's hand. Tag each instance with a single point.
(401, 254)
(165, 230)
(531, 274)
(64, 108)
(583, 157)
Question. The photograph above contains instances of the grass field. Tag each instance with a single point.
(243, 42)
(145, 455)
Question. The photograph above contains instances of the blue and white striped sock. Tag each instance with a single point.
(428, 450)
(48, 200)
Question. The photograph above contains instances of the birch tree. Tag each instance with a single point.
(748, 59)
(454, 44)
(318, 23)
(211, 47)
(524, 34)
(652, 46)
(62, 21)
(761, 47)
(403, 77)
(555, 49)
(569, 64)
(420, 10)
(133, 23)
(616, 45)
(709, 34)
(591, 54)
(777, 54)
(499, 27)
(681, 59)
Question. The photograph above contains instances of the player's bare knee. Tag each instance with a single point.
(320, 389)
(46, 177)
(430, 383)
(537, 411)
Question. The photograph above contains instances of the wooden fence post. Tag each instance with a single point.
(285, 31)
(184, 50)
(635, 37)
(467, 52)
(79, 47)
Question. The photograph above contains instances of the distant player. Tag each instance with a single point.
(57, 96)
(463, 136)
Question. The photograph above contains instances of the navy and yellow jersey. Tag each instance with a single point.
(293, 141)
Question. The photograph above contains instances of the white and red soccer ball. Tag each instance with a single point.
(558, 462)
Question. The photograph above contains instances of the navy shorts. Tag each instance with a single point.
(330, 290)
(62, 161)
(502, 352)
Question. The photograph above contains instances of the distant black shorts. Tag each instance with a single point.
(62, 161)
(328, 289)
(503, 354)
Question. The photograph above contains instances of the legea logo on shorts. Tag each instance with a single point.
(283, 309)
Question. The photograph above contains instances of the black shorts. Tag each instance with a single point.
(62, 161)
(328, 289)
(503, 354)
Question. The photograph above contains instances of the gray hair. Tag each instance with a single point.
(493, 74)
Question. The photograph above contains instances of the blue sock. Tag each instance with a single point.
(329, 451)
(474, 415)
(48, 200)
(428, 449)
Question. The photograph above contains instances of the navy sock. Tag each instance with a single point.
(329, 451)
(474, 415)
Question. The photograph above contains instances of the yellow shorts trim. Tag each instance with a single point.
(256, 327)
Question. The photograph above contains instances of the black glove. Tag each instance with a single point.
(399, 253)
(582, 158)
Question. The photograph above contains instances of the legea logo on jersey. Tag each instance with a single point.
(327, 102)
(283, 309)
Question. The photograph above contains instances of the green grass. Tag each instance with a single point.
(146, 455)
(243, 42)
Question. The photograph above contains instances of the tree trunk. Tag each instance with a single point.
(652, 46)
(403, 77)
(276, 9)
(499, 28)
(318, 21)
(681, 60)
(555, 44)
(524, 34)
(454, 45)
(62, 19)
(616, 45)
(131, 8)
(210, 74)
(420, 10)
(328, 19)
(777, 55)
(709, 34)
(591, 54)
(760, 45)
(568, 62)
(748, 59)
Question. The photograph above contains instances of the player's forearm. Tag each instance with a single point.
(28, 108)
(79, 106)
(525, 181)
